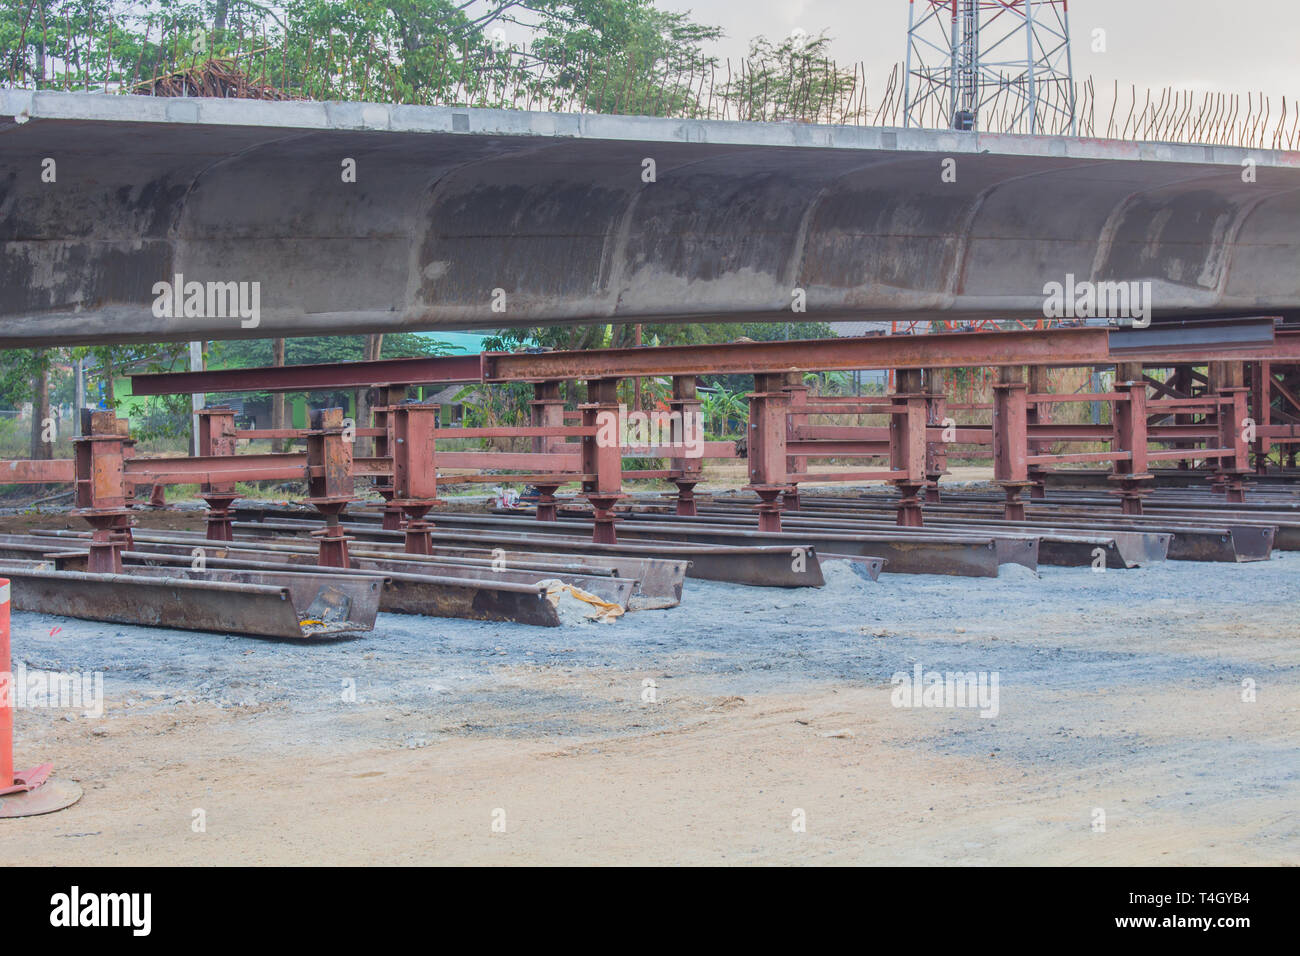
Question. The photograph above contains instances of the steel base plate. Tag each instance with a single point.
(50, 796)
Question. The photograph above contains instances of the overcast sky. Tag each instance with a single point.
(1229, 45)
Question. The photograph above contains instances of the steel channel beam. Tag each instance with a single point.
(449, 369)
(607, 587)
(657, 584)
(1249, 340)
(1189, 542)
(230, 604)
(903, 554)
(1022, 549)
(465, 595)
(760, 566)
(1064, 547)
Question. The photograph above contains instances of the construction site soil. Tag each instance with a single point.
(1142, 716)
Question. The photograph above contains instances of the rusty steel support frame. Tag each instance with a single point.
(1129, 419)
(795, 464)
(101, 487)
(769, 406)
(1274, 428)
(390, 396)
(1011, 439)
(907, 444)
(329, 483)
(602, 455)
(1092, 346)
(1179, 385)
(690, 470)
(1227, 379)
(415, 472)
(1064, 348)
(217, 437)
(546, 410)
(780, 408)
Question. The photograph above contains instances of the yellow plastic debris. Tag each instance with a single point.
(602, 610)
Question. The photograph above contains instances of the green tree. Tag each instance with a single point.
(791, 80)
(624, 56)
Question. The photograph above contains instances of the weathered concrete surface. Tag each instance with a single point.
(452, 204)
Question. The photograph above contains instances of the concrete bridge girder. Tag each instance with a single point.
(450, 205)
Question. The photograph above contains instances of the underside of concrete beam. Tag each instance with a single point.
(463, 218)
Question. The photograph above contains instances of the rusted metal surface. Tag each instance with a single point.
(904, 553)
(406, 587)
(467, 593)
(761, 566)
(1194, 538)
(314, 378)
(1046, 347)
(225, 602)
(1054, 347)
(653, 582)
(1135, 542)
(1249, 543)
(38, 471)
(1009, 547)
(1070, 547)
(175, 471)
(472, 600)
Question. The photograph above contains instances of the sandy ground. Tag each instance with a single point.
(472, 742)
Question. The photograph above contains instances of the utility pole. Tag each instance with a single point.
(78, 395)
(196, 400)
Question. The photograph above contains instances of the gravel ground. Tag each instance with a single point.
(1066, 630)
(1127, 680)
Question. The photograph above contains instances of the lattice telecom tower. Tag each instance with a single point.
(1000, 65)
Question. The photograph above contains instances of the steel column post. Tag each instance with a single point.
(415, 471)
(689, 470)
(769, 404)
(381, 417)
(101, 489)
(546, 410)
(907, 444)
(602, 455)
(329, 483)
(1011, 438)
(795, 464)
(1129, 418)
(217, 437)
(1227, 380)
